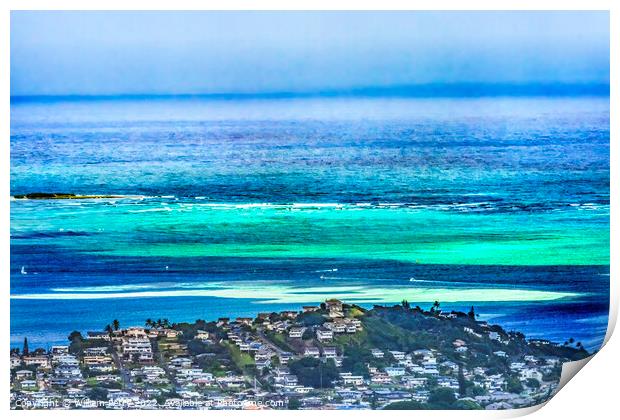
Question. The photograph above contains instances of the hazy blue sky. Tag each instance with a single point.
(228, 52)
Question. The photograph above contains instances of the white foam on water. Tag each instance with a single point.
(277, 294)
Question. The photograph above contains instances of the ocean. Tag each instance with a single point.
(230, 206)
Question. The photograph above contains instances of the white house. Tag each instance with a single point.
(329, 352)
(323, 334)
(296, 332)
(398, 355)
(353, 380)
(531, 374)
(311, 352)
(201, 335)
(494, 336)
(395, 370)
(377, 353)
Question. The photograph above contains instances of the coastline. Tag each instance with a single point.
(429, 359)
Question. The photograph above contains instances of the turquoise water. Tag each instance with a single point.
(231, 207)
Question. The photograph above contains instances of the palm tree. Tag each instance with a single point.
(166, 323)
(435, 307)
(116, 324)
(108, 329)
(148, 322)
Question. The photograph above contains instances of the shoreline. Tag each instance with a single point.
(419, 354)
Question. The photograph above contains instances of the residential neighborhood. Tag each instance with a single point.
(330, 356)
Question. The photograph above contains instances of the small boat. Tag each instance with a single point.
(330, 270)
(23, 270)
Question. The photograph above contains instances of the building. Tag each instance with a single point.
(16, 361)
(348, 379)
(398, 355)
(23, 374)
(138, 348)
(324, 334)
(531, 373)
(98, 335)
(329, 352)
(60, 350)
(296, 332)
(377, 353)
(244, 321)
(201, 335)
(395, 370)
(311, 352)
(494, 336)
(333, 305)
(41, 361)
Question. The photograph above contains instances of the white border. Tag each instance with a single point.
(592, 395)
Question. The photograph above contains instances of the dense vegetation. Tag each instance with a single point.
(315, 373)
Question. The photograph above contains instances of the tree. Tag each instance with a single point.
(308, 334)
(356, 359)
(477, 391)
(98, 394)
(462, 382)
(25, 350)
(294, 404)
(442, 398)
(309, 319)
(435, 306)
(75, 335)
(195, 347)
(471, 313)
(312, 372)
(108, 329)
(76, 340)
(148, 323)
(513, 384)
(116, 324)
(405, 304)
(532, 383)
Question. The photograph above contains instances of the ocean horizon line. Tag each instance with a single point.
(429, 90)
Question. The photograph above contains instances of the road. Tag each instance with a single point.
(269, 343)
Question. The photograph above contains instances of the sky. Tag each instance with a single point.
(141, 52)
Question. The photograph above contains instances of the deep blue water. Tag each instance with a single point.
(498, 193)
